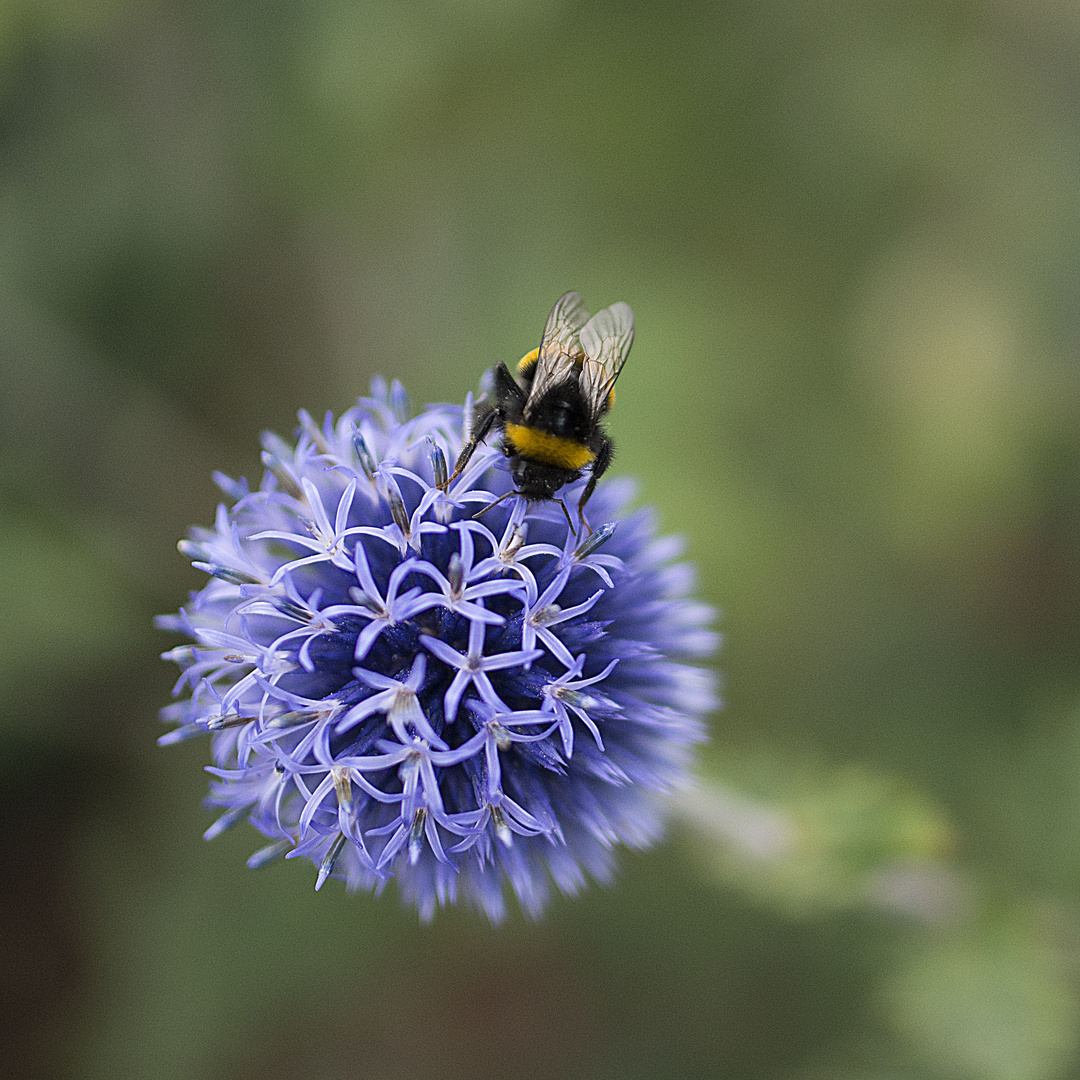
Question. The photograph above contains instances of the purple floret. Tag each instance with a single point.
(398, 689)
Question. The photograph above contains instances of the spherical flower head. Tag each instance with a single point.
(399, 688)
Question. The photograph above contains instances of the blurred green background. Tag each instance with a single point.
(850, 231)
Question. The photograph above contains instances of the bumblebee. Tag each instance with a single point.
(550, 421)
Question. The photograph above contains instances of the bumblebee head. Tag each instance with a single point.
(537, 481)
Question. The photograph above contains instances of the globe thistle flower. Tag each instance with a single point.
(397, 688)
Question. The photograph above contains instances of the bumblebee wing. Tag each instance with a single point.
(560, 347)
(605, 339)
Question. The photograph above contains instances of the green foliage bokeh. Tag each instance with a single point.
(850, 233)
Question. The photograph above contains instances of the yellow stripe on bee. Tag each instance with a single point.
(550, 449)
(528, 361)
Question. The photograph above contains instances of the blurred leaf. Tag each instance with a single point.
(824, 841)
(993, 1003)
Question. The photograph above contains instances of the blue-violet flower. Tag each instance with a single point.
(399, 688)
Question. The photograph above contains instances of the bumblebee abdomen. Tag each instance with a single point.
(555, 450)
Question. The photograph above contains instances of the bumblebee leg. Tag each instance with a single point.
(482, 423)
(485, 509)
(566, 514)
(603, 460)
